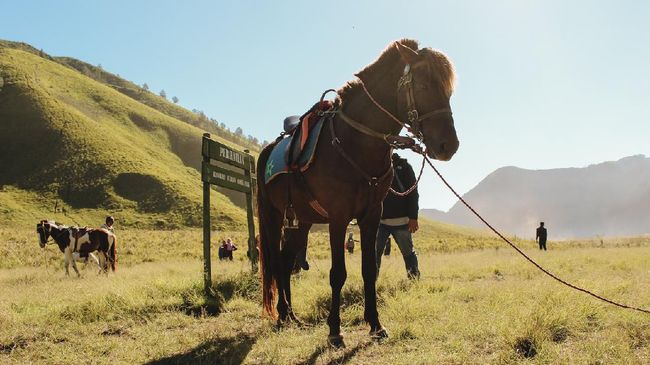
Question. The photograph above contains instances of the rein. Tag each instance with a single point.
(336, 143)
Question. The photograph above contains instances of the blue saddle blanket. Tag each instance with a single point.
(276, 164)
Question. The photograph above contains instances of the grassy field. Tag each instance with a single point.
(472, 305)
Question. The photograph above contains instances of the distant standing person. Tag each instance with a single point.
(400, 217)
(540, 237)
(222, 250)
(230, 248)
(350, 243)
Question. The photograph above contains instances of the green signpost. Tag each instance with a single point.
(243, 181)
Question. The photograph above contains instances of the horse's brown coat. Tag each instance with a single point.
(343, 191)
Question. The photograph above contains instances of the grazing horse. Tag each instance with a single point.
(63, 237)
(351, 172)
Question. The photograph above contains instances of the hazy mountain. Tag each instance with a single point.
(609, 198)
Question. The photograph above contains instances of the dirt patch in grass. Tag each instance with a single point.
(525, 347)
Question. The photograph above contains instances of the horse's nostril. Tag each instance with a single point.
(442, 147)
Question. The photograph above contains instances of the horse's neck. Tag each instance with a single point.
(59, 235)
(370, 151)
(358, 106)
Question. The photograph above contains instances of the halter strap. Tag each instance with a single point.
(412, 112)
(362, 127)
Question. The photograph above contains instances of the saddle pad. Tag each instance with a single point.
(276, 164)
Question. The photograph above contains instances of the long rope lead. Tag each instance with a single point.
(526, 256)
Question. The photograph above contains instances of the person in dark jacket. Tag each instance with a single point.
(400, 217)
(540, 237)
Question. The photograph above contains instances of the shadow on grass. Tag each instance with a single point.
(228, 350)
(345, 357)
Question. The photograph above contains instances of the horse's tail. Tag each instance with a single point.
(112, 254)
(269, 243)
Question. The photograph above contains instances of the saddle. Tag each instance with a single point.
(78, 232)
(295, 148)
(300, 128)
(290, 123)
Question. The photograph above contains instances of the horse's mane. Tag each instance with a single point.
(441, 64)
(54, 223)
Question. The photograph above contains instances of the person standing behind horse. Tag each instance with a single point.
(540, 236)
(400, 217)
(108, 225)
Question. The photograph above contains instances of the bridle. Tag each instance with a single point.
(413, 116)
(48, 235)
(413, 125)
(414, 119)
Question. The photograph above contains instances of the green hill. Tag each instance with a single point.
(69, 141)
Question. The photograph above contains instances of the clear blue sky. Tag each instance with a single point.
(541, 84)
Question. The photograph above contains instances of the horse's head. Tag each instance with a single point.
(423, 93)
(43, 229)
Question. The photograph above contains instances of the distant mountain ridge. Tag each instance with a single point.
(609, 199)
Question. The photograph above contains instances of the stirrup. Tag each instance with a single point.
(290, 223)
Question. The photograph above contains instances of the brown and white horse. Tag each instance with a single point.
(99, 240)
(62, 236)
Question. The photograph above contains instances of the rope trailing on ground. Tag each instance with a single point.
(525, 256)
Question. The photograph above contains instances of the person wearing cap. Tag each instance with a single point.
(540, 236)
(109, 224)
(400, 217)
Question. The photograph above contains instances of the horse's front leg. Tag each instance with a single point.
(74, 264)
(67, 257)
(94, 258)
(338, 275)
(368, 227)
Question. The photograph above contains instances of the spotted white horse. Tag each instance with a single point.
(64, 237)
(88, 240)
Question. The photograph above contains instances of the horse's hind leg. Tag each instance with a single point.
(295, 241)
(102, 263)
(338, 275)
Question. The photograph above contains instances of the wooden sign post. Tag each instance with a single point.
(244, 181)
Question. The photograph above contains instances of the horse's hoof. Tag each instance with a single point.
(336, 341)
(379, 334)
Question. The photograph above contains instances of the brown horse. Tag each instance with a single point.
(352, 172)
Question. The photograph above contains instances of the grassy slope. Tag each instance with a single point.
(479, 306)
(66, 136)
(145, 97)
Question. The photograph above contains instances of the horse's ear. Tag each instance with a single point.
(409, 56)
